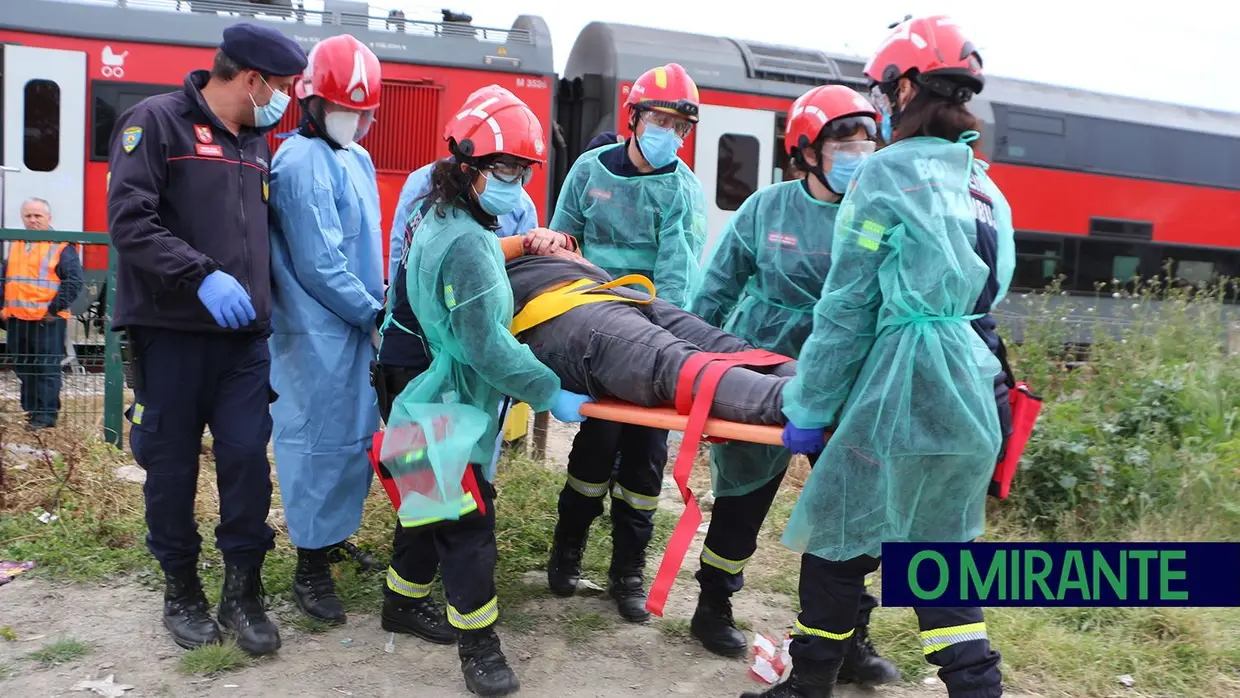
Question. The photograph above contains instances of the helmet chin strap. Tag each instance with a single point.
(819, 173)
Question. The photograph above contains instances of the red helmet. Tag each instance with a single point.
(933, 47)
(341, 70)
(667, 88)
(494, 121)
(833, 107)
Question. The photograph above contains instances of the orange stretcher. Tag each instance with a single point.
(668, 418)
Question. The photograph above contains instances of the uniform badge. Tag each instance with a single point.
(203, 133)
(130, 138)
(266, 187)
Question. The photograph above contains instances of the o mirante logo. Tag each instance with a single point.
(1061, 574)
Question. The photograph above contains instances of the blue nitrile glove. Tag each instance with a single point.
(800, 440)
(226, 300)
(567, 406)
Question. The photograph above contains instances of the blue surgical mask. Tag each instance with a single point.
(499, 197)
(843, 166)
(886, 125)
(270, 113)
(659, 145)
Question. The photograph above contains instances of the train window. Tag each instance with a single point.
(1115, 227)
(1038, 262)
(1031, 138)
(1197, 266)
(41, 145)
(737, 176)
(111, 99)
(1195, 273)
(1105, 262)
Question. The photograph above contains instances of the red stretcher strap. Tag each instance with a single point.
(698, 407)
(1025, 408)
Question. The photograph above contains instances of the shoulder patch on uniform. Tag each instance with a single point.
(131, 137)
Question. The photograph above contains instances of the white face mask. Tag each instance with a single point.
(341, 126)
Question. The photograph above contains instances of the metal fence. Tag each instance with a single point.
(60, 370)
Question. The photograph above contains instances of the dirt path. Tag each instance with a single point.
(573, 648)
(121, 623)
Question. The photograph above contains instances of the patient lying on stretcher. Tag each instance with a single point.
(631, 351)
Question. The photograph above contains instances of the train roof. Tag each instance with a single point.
(525, 47)
(736, 65)
(739, 65)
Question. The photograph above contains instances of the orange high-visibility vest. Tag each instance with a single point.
(30, 280)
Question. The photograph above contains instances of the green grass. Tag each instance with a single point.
(582, 626)
(210, 660)
(60, 652)
(8, 670)
(675, 629)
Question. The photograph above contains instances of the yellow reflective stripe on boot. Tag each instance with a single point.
(640, 502)
(714, 559)
(802, 629)
(404, 587)
(484, 617)
(587, 489)
(468, 505)
(934, 640)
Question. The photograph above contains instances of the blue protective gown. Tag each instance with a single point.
(519, 221)
(327, 287)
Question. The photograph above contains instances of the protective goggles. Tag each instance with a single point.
(851, 147)
(847, 126)
(510, 172)
(681, 127)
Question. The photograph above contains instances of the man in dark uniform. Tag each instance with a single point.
(187, 211)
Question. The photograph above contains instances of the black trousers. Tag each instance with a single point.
(37, 350)
(625, 461)
(462, 551)
(732, 539)
(953, 639)
(185, 381)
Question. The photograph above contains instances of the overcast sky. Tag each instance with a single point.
(1174, 52)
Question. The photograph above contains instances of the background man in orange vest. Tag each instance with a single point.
(41, 282)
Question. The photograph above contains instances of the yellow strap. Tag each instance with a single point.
(552, 304)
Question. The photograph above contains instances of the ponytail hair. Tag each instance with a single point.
(930, 114)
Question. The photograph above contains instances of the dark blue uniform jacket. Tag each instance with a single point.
(186, 197)
(987, 248)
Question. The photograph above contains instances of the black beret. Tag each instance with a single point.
(263, 49)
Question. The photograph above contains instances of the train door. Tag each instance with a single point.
(732, 157)
(44, 132)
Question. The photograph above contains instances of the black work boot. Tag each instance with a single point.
(714, 627)
(814, 681)
(313, 589)
(485, 668)
(624, 584)
(421, 617)
(242, 612)
(186, 614)
(863, 665)
(564, 566)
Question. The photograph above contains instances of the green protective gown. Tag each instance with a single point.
(654, 225)
(459, 291)
(894, 362)
(760, 283)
